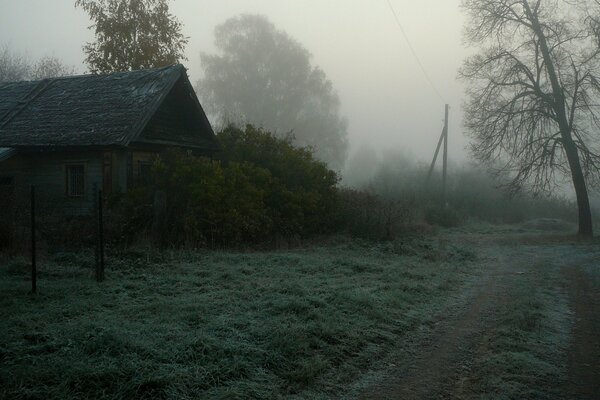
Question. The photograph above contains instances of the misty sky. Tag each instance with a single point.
(387, 100)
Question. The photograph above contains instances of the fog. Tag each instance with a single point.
(386, 97)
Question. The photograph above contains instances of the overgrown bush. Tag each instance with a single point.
(261, 187)
(368, 215)
(442, 216)
(302, 196)
(209, 203)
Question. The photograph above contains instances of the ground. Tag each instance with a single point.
(474, 313)
(527, 328)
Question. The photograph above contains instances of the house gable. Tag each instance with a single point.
(179, 120)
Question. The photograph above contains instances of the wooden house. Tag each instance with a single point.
(68, 135)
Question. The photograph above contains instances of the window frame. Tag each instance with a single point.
(68, 187)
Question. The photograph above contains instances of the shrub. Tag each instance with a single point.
(367, 215)
(445, 217)
(262, 187)
(303, 196)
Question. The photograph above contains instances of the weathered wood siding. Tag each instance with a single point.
(47, 171)
(178, 122)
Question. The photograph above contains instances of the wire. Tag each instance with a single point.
(414, 53)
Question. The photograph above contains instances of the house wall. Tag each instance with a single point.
(47, 172)
(120, 159)
(113, 171)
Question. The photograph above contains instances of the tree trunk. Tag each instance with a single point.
(583, 202)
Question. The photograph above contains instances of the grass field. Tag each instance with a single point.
(305, 323)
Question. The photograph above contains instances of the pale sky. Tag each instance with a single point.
(386, 98)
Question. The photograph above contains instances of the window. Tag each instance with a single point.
(75, 181)
(7, 181)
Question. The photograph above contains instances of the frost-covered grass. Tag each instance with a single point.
(524, 352)
(180, 325)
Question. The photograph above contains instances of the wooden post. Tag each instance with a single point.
(443, 140)
(445, 171)
(437, 151)
(33, 244)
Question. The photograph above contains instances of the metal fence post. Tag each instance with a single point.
(99, 236)
(33, 244)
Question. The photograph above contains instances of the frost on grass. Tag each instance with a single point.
(524, 355)
(219, 325)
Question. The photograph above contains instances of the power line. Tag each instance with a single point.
(414, 53)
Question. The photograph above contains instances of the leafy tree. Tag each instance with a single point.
(532, 93)
(132, 34)
(265, 78)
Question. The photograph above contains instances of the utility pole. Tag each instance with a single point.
(443, 140)
(445, 172)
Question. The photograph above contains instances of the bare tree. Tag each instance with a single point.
(13, 66)
(533, 90)
(50, 67)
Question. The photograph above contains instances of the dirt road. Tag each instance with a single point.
(527, 327)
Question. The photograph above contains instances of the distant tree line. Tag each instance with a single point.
(15, 66)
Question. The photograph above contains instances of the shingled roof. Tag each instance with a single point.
(94, 110)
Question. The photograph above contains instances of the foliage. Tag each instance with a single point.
(132, 35)
(531, 93)
(368, 215)
(263, 187)
(445, 217)
(210, 203)
(264, 77)
(477, 196)
(303, 194)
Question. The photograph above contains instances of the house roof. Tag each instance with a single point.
(6, 153)
(92, 110)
